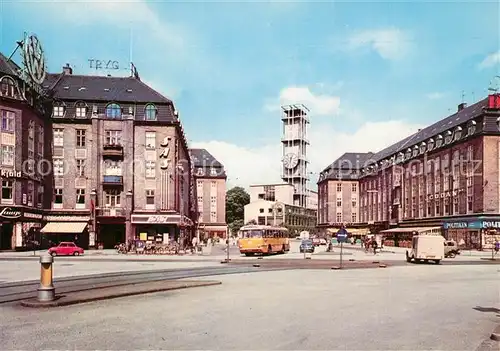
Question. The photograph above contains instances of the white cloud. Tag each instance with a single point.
(435, 95)
(490, 60)
(389, 43)
(246, 166)
(319, 104)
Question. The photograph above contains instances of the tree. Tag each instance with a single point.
(236, 199)
(252, 221)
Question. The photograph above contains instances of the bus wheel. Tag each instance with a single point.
(269, 250)
(283, 249)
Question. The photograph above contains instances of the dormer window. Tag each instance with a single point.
(8, 87)
(471, 129)
(422, 147)
(80, 110)
(113, 111)
(200, 172)
(448, 137)
(400, 157)
(150, 112)
(458, 134)
(430, 144)
(408, 154)
(439, 141)
(213, 171)
(415, 151)
(58, 110)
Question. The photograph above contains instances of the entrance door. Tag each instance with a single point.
(6, 232)
(111, 235)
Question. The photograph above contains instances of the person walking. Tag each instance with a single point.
(374, 245)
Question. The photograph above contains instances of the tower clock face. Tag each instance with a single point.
(290, 161)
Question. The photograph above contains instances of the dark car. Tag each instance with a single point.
(307, 246)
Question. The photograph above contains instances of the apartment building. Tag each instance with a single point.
(273, 204)
(121, 164)
(24, 143)
(444, 176)
(339, 195)
(210, 177)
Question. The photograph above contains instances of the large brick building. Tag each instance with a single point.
(445, 175)
(210, 177)
(24, 144)
(121, 163)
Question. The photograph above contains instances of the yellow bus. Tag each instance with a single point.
(263, 239)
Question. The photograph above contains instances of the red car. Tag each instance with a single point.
(66, 248)
(316, 242)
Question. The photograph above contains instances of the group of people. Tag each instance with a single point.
(370, 243)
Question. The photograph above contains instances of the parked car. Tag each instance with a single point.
(66, 249)
(306, 246)
(322, 241)
(316, 241)
(451, 249)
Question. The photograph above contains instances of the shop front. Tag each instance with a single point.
(402, 236)
(473, 233)
(161, 228)
(206, 231)
(19, 228)
(65, 228)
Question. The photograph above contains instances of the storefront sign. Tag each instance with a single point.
(457, 225)
(9, 173)
(156, 219)
(462, 225)
(491, 224)
(33, 215)
(10, 213)
(164, 153)
(445, 194)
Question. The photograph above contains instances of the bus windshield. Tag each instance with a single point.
(252, 233)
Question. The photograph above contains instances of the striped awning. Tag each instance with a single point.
(64, 227)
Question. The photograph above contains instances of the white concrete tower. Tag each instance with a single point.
(294, 140)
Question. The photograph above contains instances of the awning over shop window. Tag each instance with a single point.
(420, 230)
(64, 227)
(358, 231)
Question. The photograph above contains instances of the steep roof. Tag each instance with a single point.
(8, 66)
(102, 88)
(203, 158)
(346, 166)
(439, 127)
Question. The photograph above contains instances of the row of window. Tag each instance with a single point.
(112, 137)
(112, 197)
(112, 111)
(7, 195)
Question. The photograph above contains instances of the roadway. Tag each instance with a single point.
(445, 307)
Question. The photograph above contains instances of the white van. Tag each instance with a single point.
(426, 248)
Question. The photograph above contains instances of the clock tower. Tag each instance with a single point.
(295, 119)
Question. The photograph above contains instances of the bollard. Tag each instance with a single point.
(46, 291)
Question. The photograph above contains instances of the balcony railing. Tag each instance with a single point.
(112, 150)
(110, 212)
(112, 180)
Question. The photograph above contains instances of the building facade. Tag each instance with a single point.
(121, 164)
(339, 195)
(445, 175)
(210, 177)
(25, 144)
(273, 204)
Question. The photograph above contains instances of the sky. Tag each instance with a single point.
(371, 72)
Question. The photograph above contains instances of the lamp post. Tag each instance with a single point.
(128, 210)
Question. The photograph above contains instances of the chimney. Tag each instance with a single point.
(462, 106)
(67, 69)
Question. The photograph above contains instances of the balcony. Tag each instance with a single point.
(112, 151)
(112, 180)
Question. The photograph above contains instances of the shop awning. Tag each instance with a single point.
(64, 227)
(358, 231)
(420, 230)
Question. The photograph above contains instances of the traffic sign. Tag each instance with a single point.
(342, 235)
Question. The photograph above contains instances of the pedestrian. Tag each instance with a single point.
(374, 244)
(497, 247)
(195, 244)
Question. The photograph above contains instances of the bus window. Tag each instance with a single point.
(252, 234)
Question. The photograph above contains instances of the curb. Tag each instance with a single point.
(63, 300)
(496, 334)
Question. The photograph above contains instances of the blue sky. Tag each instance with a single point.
(371, 72)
